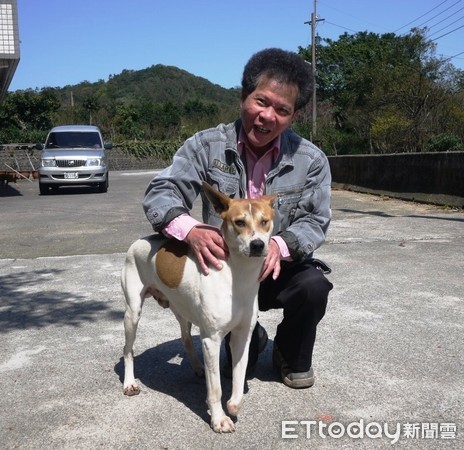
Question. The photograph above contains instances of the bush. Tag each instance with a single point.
(163, 150)
(14, 135)
(445, 142)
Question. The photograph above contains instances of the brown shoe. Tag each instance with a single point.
(295, 380)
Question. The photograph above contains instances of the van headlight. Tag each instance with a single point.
(94, 162)
(48, 163)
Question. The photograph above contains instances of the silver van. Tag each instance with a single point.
(73, 155)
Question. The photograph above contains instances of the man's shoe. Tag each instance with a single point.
(295, 380)
(258, 343)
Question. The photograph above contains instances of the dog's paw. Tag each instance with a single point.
(131, 390)
(224, 425)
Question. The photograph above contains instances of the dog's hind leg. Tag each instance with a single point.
(133, 292)
(186, 336)
(220, 422)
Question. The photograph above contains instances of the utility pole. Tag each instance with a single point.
(313, 22)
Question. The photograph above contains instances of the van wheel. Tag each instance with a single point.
(44, 188)
(103, 187)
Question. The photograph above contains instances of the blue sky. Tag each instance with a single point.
(68, 41)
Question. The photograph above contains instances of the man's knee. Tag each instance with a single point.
(313, 286)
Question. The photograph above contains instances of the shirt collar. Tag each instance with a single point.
(242, 143)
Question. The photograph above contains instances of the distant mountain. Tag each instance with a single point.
(158, 84)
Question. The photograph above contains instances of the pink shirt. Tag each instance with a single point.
(257, 169)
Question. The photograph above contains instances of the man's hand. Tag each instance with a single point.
(208, 246)
(272, 262)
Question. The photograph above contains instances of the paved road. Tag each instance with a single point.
(389, 351)
(72, 221)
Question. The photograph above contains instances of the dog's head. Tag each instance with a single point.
(247, 224)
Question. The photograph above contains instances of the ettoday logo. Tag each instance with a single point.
(293, 429)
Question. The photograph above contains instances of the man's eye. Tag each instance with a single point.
(240, 223)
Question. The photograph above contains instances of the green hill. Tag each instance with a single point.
(159, 102)
(157, 84)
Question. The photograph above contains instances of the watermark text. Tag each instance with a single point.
(294, 429)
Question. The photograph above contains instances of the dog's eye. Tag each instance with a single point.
(264, 222)
(240, 223)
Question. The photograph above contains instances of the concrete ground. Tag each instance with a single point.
(388, 358)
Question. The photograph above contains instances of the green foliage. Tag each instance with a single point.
(389, 91)
(445, 143)
(341, 142)
(157, 103)
(388, 130)
(162, 150)
(15, 135)
(375, 94)
(29, 110)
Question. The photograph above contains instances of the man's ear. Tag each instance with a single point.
(219, 201)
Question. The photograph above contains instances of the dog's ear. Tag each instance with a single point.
(271, 199)
(219, 201)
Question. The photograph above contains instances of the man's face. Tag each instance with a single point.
(267, 112)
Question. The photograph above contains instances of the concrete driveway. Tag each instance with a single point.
(388, 359)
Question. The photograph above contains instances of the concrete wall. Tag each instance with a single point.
(424, 177)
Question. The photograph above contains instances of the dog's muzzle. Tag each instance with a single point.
(256, 247)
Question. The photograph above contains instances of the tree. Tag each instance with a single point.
(384, 89)
(27, 115)
(126, 119)
(91, 104)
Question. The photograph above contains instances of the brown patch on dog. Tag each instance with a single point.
(170, 262)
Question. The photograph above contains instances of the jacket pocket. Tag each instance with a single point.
(227, 184)
(287, 203)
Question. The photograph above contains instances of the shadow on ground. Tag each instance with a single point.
(166, 369)
(22, 309)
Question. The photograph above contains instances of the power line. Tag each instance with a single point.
(449, 32)
(439, 14)
(420, 17)
(447, 26)
(340, 26)
(452, 57)
(423, 23)
(449, 58)
(446, 18)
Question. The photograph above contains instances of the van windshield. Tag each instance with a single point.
(71, 139)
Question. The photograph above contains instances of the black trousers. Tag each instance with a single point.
(302, 291)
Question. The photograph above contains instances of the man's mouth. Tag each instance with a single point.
(262, 129)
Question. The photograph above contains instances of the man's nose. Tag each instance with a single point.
(268, 113)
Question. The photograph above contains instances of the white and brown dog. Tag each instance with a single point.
(223, 301)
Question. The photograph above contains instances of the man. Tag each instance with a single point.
(256, 155)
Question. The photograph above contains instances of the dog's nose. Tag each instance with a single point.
(256, 247)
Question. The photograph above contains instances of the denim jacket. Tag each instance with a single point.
(300, 178)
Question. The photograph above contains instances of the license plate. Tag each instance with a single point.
(71, 175)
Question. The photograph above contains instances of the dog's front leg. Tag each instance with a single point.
(220, 422)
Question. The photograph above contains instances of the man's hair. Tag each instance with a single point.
(282, 66)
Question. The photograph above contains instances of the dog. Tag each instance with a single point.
(223, 301)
